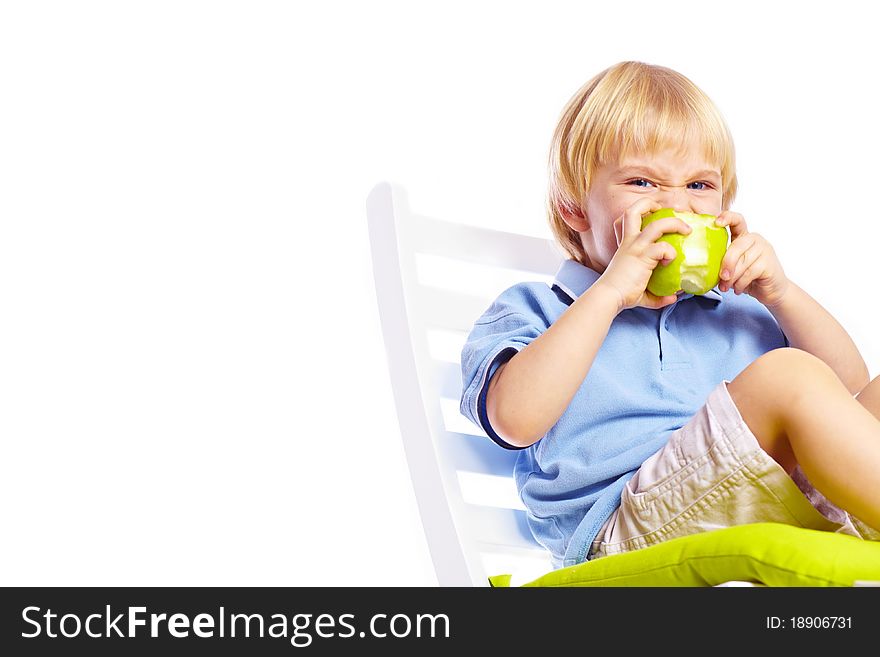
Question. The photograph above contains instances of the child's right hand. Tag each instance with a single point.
(638, 254)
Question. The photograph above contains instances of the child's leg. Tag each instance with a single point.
(801, 413)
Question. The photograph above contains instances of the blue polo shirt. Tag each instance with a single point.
(653, 372)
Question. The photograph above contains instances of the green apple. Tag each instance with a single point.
(696, 267)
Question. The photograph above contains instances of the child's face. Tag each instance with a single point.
(678, 178)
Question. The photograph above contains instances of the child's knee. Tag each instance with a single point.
(775, 382)
(774, 386)
(787, 370)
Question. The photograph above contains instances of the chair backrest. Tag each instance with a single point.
(433, 280)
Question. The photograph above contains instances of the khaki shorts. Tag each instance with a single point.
(711, 474)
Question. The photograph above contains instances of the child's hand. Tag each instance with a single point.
(750, 264)
(638, 253)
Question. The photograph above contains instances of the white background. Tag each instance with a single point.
(193, 387)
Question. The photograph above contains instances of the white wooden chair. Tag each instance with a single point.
(433, 280)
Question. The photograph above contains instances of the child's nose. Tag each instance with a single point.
(676, 198)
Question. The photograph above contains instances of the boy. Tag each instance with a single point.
(642, 418)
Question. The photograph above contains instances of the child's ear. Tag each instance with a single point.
(575, 218)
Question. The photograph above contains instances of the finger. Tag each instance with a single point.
(654, 302)
(661, 252)
(734, 221)
(730, 274)
(751, 246)
(661, 227)
(618, 229)
(750, 274)
(740, 278)
(734, 254)
(751, 265)
(632, 217)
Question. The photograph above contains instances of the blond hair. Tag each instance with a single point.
(629, 107)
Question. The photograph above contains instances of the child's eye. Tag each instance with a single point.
(640, 182)
(699, 185)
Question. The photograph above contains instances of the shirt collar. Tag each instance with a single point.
(574, 279)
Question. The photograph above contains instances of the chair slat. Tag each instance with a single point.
(448, 379)
(485, 246)
(445, 309)
(477, 454)
(497, 526)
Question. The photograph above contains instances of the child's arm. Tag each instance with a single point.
(810, 327)
(528, 394)
(751, 266)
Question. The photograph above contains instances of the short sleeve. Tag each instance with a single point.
(514, 319)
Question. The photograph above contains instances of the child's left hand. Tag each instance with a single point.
(750, 264)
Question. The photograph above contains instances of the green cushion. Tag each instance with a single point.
(766, 553)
